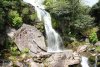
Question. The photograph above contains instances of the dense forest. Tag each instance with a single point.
(75, 22)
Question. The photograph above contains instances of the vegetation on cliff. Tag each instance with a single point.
(72, 19)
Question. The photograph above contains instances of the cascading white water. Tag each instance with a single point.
(54, 41)
(96, 59)
(84, 62)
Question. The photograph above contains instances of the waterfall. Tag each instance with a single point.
(54, 41)
(84, 62)
(96, 59)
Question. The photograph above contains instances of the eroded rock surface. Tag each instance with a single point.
(28, 37)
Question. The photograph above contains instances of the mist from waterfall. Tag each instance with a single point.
(54, 41)
(84, 62)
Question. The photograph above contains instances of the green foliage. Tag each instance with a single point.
(95, 12)
(92, 59)
(69, 17)
(15, 19)
(25, 11)
(72, 17)
(26, 50)
(14, 51)
(14, 13)
(97, 49)
(55, 23)
(33, 16)
(83, 22)
(12, 48)
(57, 7)
(77, 43)
(1, 19)
(40, 26)
(93, 36)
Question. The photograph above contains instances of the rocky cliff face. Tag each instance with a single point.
(30, 37)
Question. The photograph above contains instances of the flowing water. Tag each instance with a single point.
(96, 59)
(54, 41)
(84, 62)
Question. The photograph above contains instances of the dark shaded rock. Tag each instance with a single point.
(2, 40)
(5, 63)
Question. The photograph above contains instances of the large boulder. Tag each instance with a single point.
(63, 59)
(28, 37)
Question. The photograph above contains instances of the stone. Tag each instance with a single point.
(10, 32)
(82, 48)
(76, 56)
(65, 58)
(32, 63)
(62, 59)
(97, 43)
(28, 37)
(19, 64)
(5, 63)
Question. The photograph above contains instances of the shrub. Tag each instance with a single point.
(93, 36)
(15, 19)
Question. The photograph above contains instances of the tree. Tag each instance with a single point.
(71, 15)
(95, 12)
(15, 12)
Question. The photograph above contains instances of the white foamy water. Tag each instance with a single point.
(84, 62)
(54, 41)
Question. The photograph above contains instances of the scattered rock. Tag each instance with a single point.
(19, 64)
(97, 43)
(32, 63)
(76, 56)
(5, 63)
(82, 48)
(10, 32)
(62, 59)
